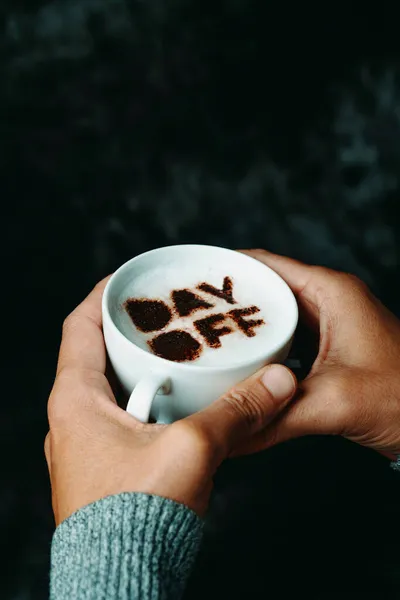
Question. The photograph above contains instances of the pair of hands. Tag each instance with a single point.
(94, 448)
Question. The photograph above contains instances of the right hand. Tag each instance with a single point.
(353, 388)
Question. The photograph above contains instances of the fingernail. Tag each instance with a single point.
(279, 382)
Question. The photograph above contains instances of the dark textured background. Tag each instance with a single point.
(129, 125)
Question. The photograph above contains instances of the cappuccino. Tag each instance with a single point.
(199, 314)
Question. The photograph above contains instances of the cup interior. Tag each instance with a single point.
(186, 266)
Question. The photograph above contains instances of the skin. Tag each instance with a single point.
(95, 449)
(353, 388)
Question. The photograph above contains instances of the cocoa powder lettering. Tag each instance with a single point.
(153, 315)
(225, 294)
(148, 315)
(176, 345)
(247, 327)
(186, 302)
(211, 334)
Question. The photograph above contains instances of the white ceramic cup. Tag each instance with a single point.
(168, 390)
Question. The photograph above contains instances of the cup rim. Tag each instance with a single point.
(182, 365)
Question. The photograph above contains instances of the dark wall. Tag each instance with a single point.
(129, 125)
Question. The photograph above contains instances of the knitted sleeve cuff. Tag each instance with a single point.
(124, 547)
(396, 464)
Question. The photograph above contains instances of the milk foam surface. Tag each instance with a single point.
(159, 282)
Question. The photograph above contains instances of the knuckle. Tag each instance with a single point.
(351, 282)
(67, 392)
(66, 322)
(100, 284)
(338, 281)
(250, 405)
(319, 283)
(53, 405)
(70, 322)
(76, 378)
(55, 411)
(47, 447)
(192, 437)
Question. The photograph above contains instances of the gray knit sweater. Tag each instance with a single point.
(124, 547)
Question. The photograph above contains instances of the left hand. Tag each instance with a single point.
(95, 449)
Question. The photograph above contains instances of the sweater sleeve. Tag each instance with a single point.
(124, 547)
(396, 464)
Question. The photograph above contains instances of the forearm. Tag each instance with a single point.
(125, 547)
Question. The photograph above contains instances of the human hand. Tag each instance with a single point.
(353, 388)
(95, 449)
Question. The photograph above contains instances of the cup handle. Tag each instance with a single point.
(141, 399)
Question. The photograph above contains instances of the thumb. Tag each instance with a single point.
(246, 409)
(320, 409)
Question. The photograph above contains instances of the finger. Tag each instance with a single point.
(246, 409)
(294, 272)
(82, 344)
(304, 280)
(318, 409)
